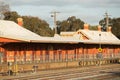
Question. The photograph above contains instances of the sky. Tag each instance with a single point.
(89, 11)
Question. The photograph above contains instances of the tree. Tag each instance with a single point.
(116, 27)
(33, 24)
(93, 28)
(114, 23)
(71, 24)
(37, 25)
(3, 8)
(12, 16)
(103, 23)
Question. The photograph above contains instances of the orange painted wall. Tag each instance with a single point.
(39, 51)
(63, 54)
(1, 49)
(50, 54)
(80, 53)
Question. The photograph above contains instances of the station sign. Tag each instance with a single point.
(99, 49)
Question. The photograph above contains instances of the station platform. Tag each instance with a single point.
(45, 72)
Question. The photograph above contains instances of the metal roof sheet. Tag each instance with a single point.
(112, 42)
(9, 29)
(95, 35)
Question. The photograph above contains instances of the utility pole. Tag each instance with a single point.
(107, 19)
(54, 14)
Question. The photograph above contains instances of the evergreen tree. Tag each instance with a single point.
(71, 24)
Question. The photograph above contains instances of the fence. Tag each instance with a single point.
(57, 58)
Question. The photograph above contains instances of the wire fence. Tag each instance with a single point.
(56, 58)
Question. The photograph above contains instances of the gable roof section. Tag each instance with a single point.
(9, 29)
(98, 37)
(95, 35)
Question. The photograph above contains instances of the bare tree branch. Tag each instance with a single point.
(3, 8)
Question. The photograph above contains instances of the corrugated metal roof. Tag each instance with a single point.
(92, 35)
(67, 33)
(95, 35)
(112, 42)
(57, 39)
(9, 29)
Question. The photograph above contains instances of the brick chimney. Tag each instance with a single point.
(20, 21)
(99, 28)
(109, 29)
(86, 26)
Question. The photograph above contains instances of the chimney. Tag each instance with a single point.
(109, 29)
(20, 21)
(86, 26)
(99, 28)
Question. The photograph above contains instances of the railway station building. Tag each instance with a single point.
(20, 45)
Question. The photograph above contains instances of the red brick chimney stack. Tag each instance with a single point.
(99, 28)
(20, 21)
(86, 26)
(109, 29)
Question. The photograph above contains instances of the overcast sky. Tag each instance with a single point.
(90, 11)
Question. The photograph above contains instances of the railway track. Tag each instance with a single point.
(111, 76)
(74, 74)
(80, 76)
